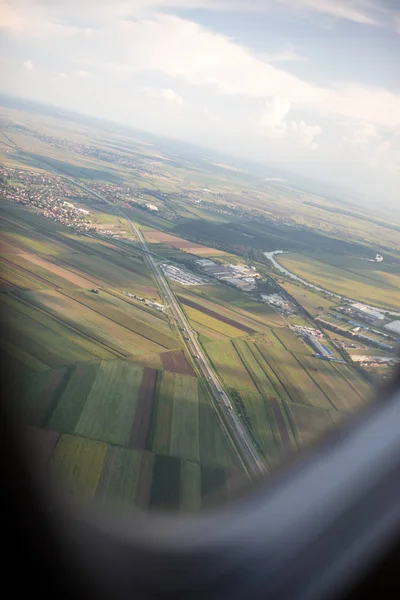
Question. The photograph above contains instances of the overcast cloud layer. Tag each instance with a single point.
(310, 85)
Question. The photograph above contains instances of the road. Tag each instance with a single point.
(233, 426)
(231, 423)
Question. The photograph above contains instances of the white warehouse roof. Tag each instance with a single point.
(393, 326)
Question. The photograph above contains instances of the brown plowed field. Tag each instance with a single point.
(154, 236)
(176, 362)
(216, 315)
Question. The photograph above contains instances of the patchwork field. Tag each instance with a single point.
(51, 296)
(274, 389)
(125, 435)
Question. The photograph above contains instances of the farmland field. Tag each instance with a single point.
(153, 236)
(103, 378)
(98, 441)
(245, 378)
(376, 288)
(335, 387)
(111, 403)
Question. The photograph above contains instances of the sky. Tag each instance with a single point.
(310, 86)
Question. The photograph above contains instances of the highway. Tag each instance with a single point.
(232, 425)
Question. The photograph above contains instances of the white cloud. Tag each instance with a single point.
(275, 126)
(62, 75)
(190, 53)
(166, 94)
(384, 147)
(171, 96)
(84, 74)
(350, 10)
(28, 65)
(272, 121)
(359, 134)
(306, 134)
(148, 92)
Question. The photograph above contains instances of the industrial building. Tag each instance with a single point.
(393, 326)
(322, 351)
(181, 276)
(239, 283)
(205, 262)
(366, 312)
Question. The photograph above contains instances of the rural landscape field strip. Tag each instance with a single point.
(206, 333)
(259, 350)
(142, 419)
(213, 484)
(38, 312)
(201, 321)
(76, 464)
(190, 485)
(311, 422)
(143, 490)
(215, 315)
(233, 372)
(358, 384)
(91, 324)
(334, 386)
(35, 394)
(257, 316)
(126, 321)
(22, 357)
(214, 447)
(259, 409)
(71, 402)
(166, 483)
(110, 407)
(289, 340)
(25, 272)
(20, 326)
(185, 418)
(163, 414)
(297, 381)
(281, 423)
(119, 479)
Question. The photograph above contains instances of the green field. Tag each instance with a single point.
(231, 361)
(185, 418)
(313, 303)
(374, 287)
(110, 406)
(334, 386)
(77, 464)
(93, 407)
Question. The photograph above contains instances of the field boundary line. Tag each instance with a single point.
(260, 391)
(316, 383)
(69, 326)
(110, 319)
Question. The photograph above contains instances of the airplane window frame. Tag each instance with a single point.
(313, 529)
